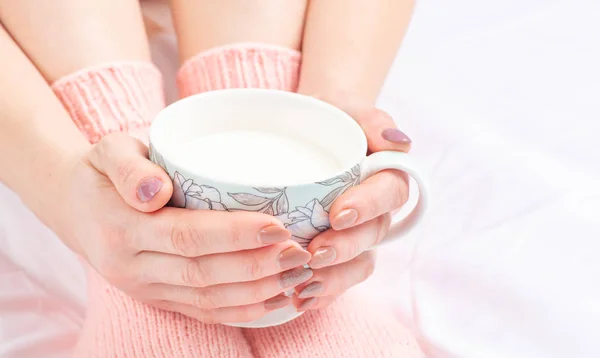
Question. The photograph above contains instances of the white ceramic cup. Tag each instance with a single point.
(301, 206)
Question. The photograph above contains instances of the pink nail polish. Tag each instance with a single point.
(323, 257)
(273, 234)
(293, 257)
(395, 135)
(312, 290)
(344, 219)
(148, 188)
(293, 278)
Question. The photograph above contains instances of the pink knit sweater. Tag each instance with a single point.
(126, 97)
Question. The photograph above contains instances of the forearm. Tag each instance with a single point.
(37, 137)
(349, 46)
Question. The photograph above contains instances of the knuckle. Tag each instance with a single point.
(186, 239)
(193, 274)
(256, 294)
(236, 237)
(352, 249)
(398, 184)
(372, 205)
(125, 171)
(103, 149)
(205, 298)
(104, 144)
(253, 267)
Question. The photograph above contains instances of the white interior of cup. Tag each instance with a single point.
(282, 113)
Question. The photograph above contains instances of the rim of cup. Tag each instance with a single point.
(165, 121)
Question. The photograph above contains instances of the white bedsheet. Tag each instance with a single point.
(502, 101)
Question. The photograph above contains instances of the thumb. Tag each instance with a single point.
(124, 160)
(381, 131)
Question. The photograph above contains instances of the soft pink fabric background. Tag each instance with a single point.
(501, 101)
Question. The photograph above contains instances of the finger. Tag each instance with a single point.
(335, 247)
(233, 294)
(381, 131)
(194, 233)
(335, 280)
(238, 314)
(124, 160)
(204, 271)
(379, 194)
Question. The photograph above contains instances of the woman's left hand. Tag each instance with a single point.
(360, 219)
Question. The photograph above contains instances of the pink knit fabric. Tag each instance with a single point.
(352, 327)
(119, 326)
(121, 97)
(240, 66)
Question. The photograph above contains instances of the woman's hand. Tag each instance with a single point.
(360, 219)
(210, 265)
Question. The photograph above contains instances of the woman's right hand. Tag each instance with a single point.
(214, 266)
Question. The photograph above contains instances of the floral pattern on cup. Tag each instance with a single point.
(304, 222)
(187, 194)
(347, 179)
(274, 201)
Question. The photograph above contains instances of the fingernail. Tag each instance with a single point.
(148, 188)
(273, 234)
(307, 304)
(344, 219)
(293, 257)
(277, 302)
(314, 289)
(322, 257)
(395, 135)
(293, 278)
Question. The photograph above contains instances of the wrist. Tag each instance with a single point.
(46, 191)
(56, 204)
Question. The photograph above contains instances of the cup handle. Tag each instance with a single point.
(379, 161)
